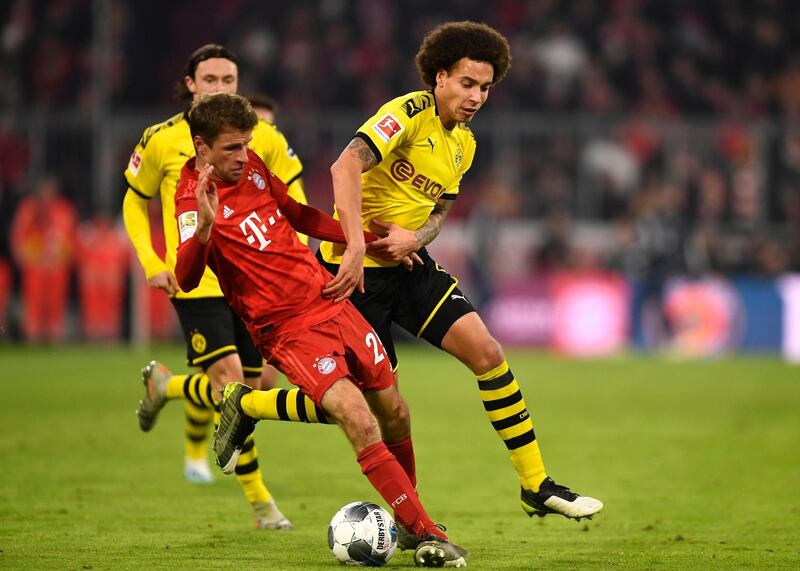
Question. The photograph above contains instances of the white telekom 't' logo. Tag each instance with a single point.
(258, 229)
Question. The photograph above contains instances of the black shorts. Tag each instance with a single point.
(424, 301)
(212, 331)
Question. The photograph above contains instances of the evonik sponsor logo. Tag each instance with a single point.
(403, 171)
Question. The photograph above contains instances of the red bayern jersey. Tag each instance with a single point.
(268, 277)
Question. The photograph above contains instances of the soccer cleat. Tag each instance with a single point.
(234, 427)
(155, 377)
(197, 471)
(437, 552)
(268, 516)
(406, 540)
(555, 499)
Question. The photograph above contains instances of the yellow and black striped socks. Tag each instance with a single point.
(198, 421)
(505, 407)
(283, 404)
(274, 404)
(248, 471)
(249, 474)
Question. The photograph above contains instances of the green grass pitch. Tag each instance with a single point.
(698, 465)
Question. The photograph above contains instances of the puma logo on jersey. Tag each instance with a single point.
(227, 211)
(456, 296)
(432, 143)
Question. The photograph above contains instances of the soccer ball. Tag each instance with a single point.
(362, 533)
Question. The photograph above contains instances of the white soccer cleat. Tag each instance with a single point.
(268, 516)
(155, 377)
(553, 498)
(197, 471)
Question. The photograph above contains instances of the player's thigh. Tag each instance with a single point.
(208, 329)
(469, 341)
(431, 302)
(377, 303)
(366, 355)
(251, 359)
(312, 359)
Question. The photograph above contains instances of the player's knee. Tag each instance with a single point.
(361, 426)
(490, 356)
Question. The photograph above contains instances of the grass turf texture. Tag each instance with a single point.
(697, 464)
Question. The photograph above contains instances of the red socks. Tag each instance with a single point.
(387, 476)
(403, 450)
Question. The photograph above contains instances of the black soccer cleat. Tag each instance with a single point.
(407, 541)
(234, 427)
(555, 499)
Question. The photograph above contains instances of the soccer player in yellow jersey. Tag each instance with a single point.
(217, 341)
(401, 173)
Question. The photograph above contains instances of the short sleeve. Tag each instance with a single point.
(143, 173)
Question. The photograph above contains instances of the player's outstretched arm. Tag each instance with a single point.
(310, 221)
(346, 175)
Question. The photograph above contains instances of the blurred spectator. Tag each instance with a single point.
(555, 247)
(5, 296)
(496, 203)
(103, 254)
(43, 244)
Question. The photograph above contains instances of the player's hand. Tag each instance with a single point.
(409, 261)
(207, 199)
(397, 243)
(349, 277)
(164, 280)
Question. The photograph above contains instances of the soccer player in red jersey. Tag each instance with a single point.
(236, 217)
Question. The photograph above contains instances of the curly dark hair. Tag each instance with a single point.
(447, 43)
(212, 114)
(201, 54)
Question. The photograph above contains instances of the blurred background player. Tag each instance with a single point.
(216, 340)
(413, 154)
(265, 106)
(43, 244)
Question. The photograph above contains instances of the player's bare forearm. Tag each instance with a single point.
(433, 225)
(346, 176)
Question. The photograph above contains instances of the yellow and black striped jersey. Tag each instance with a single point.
(419, 162)
(155, 167)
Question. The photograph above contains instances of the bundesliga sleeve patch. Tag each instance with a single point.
(187, 225)
(135, 163)
(387, 127)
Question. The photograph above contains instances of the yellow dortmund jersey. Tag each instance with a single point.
(155, 167)
(419, 162)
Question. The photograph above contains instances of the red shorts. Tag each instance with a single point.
(345, 346)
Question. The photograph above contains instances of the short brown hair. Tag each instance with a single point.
(201, 54)
(447, 43)
(212, 114)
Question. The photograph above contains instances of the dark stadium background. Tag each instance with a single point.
(657, 141)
